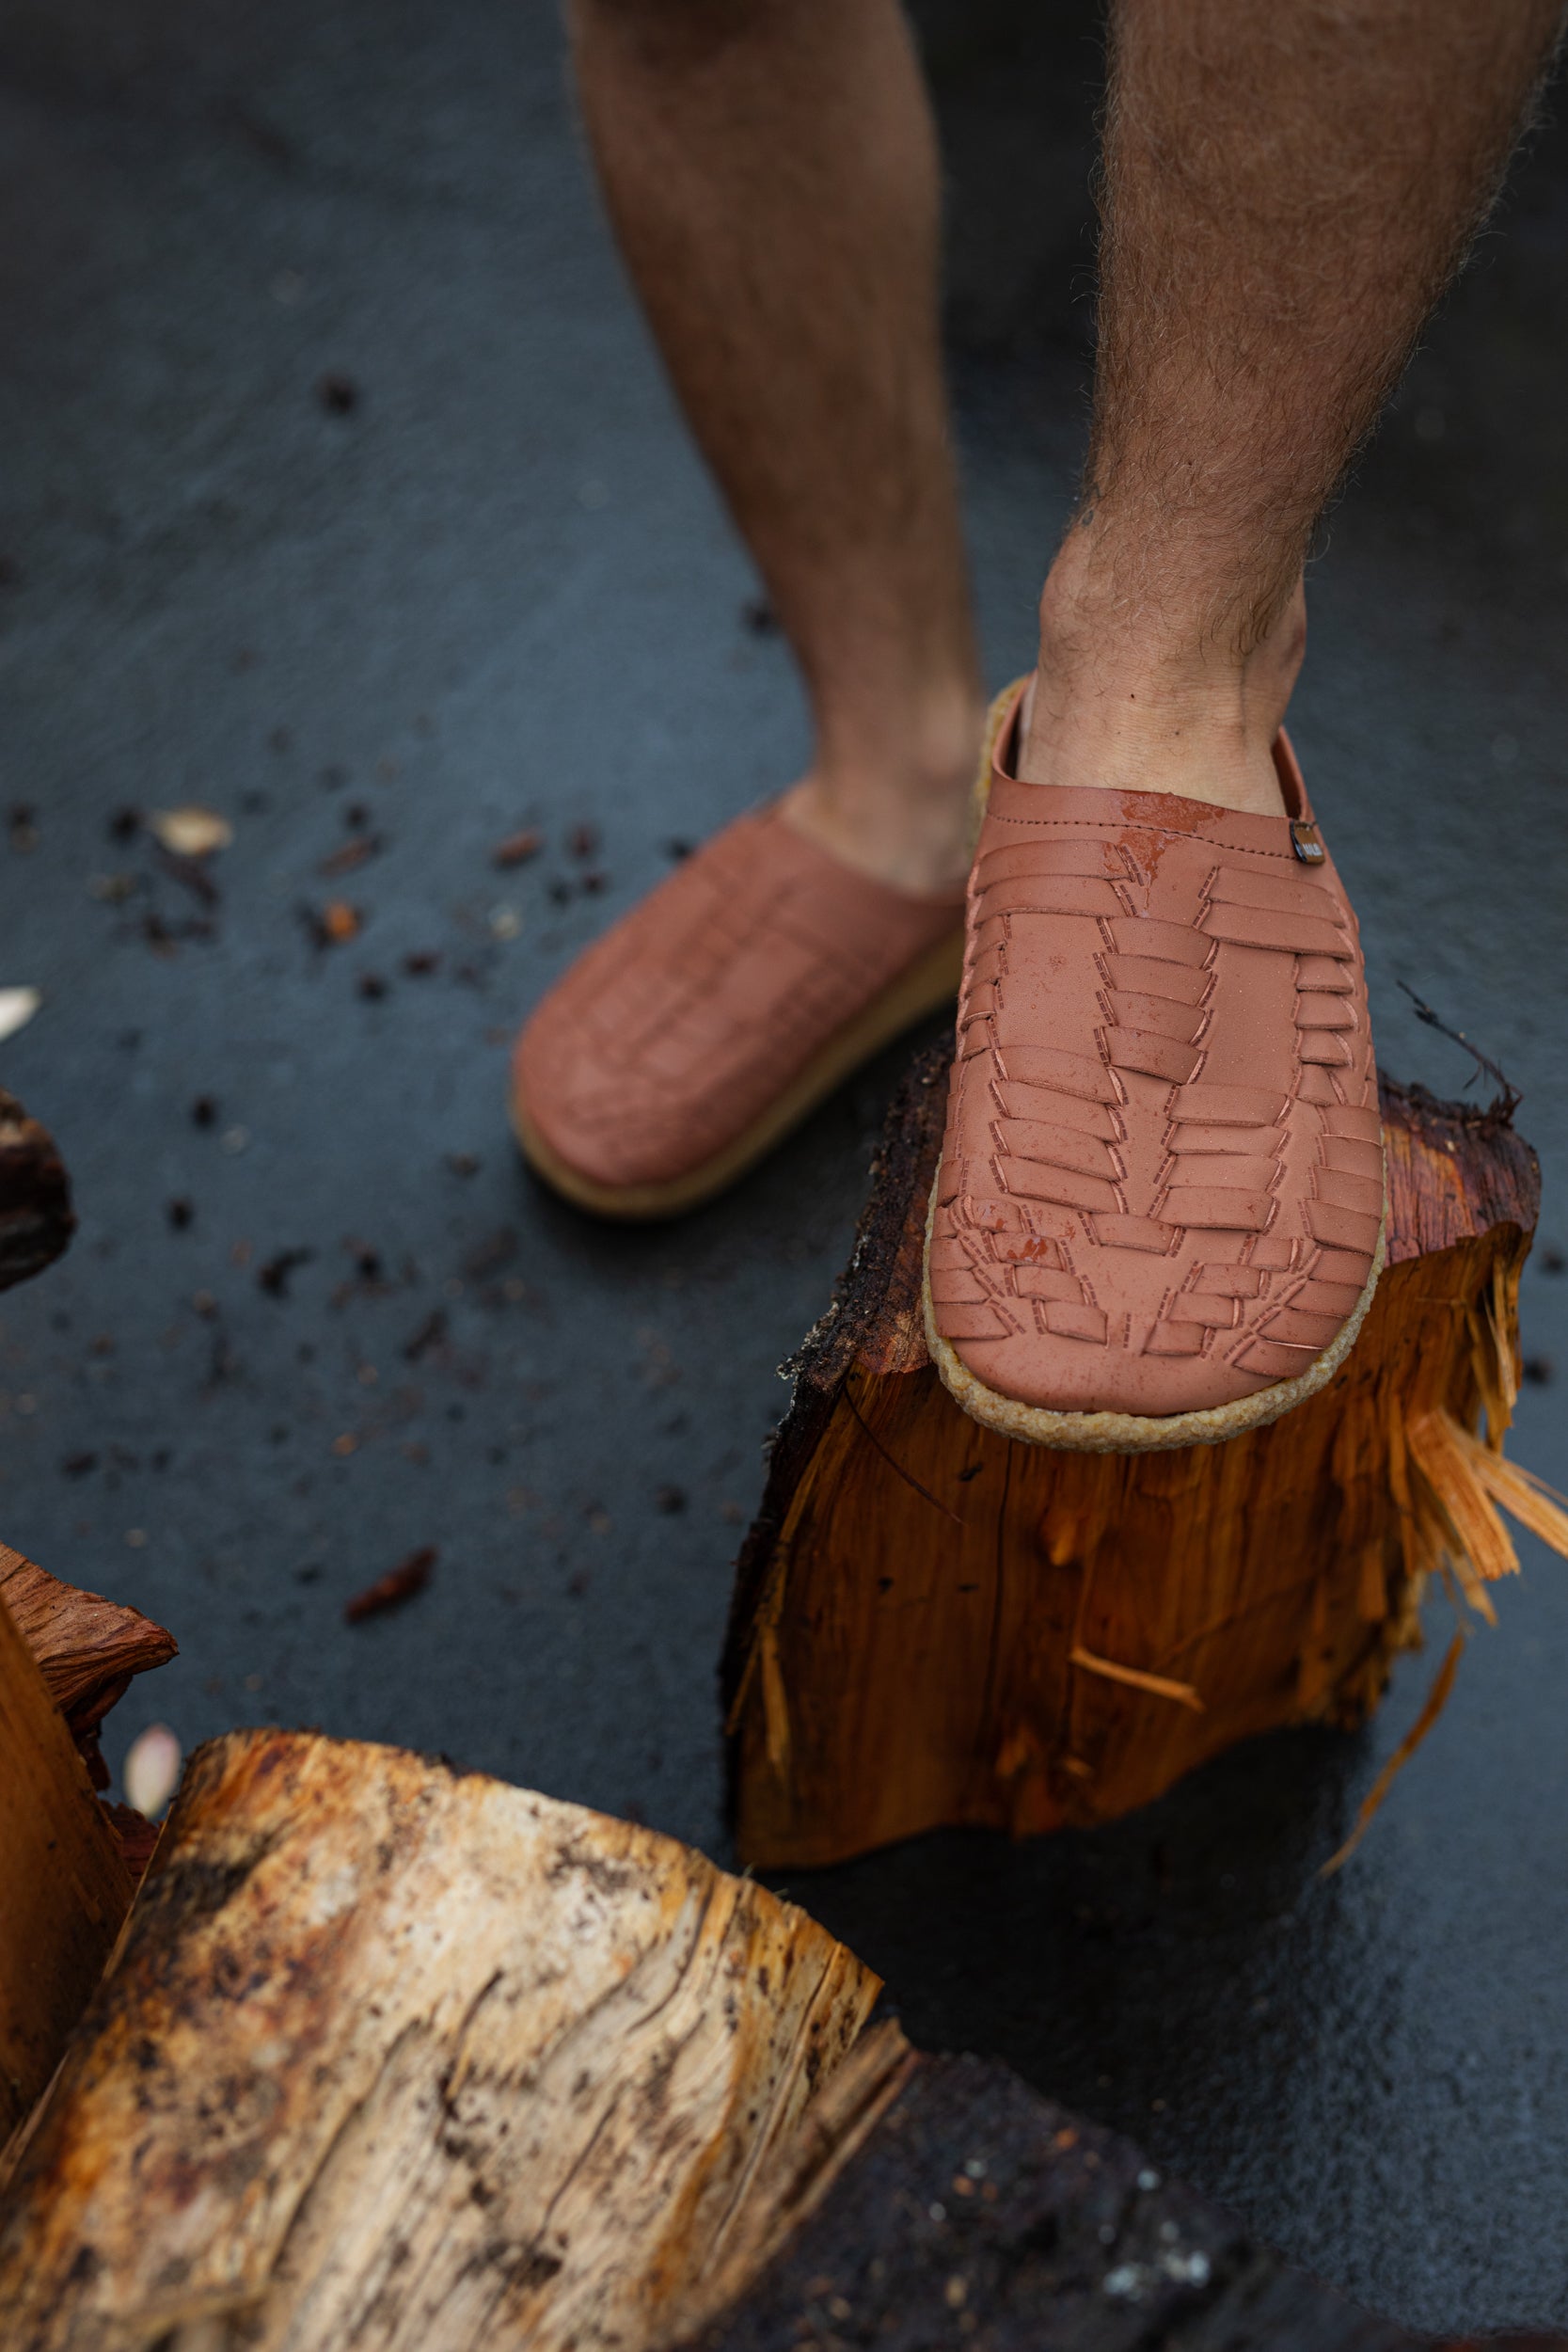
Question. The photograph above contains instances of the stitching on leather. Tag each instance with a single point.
(1171, 832)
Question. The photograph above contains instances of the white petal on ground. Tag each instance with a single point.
(151, 1773)
(190, 832)
(17, 1008)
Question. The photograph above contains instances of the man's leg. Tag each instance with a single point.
(1160, 1213)
(1285, 192)
(772, 174)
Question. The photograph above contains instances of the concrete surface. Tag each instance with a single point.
(494, 588)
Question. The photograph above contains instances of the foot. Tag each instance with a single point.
(712, 1018)
(1158, 1216)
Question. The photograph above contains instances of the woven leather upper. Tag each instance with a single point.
(674, 1032)
(1162, 1179)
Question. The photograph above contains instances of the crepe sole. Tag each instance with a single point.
(1138, 1432)
(923, 988)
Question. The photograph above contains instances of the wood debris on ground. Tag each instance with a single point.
(517, 848)
(190, 832)
(398, 1586)
(17, 1008)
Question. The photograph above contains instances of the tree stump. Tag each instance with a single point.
(935, 1625)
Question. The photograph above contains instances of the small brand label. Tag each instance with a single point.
(1304, 839)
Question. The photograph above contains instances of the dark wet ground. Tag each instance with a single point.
(490, 587)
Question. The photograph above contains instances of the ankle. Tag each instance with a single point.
(1135, 703)
(897, 804)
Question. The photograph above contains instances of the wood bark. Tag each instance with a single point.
(64, 1886)
(36, 1216)
(87, 1648)
(934, 1625)
(397, 2057)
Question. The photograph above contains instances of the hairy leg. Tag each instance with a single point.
(770, 171)
(1285, 192)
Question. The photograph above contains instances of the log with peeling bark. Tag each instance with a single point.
(67, 1862)
(89, 1648)
(933, 1625)
(64, 1886)
(396, 2059)
(36, 1216)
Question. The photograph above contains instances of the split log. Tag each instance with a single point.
(934, 1625)
(399, 2059)
(36, 1216)
(64, 1886)
(398, 2056)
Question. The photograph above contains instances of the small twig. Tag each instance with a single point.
(1509, 1097)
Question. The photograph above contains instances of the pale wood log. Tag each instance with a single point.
(64, 1886)
(397, 2057)
(934, 1625)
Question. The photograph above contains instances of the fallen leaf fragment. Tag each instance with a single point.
(391, 1590)
(190, 832)
(152, 1771)
(17, 1008)
(517, 848)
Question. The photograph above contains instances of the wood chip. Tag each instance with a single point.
(391, 1590)
(517, 848)
(338, 921)
(17, 1008)
(190, 832)
(152, 1771)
